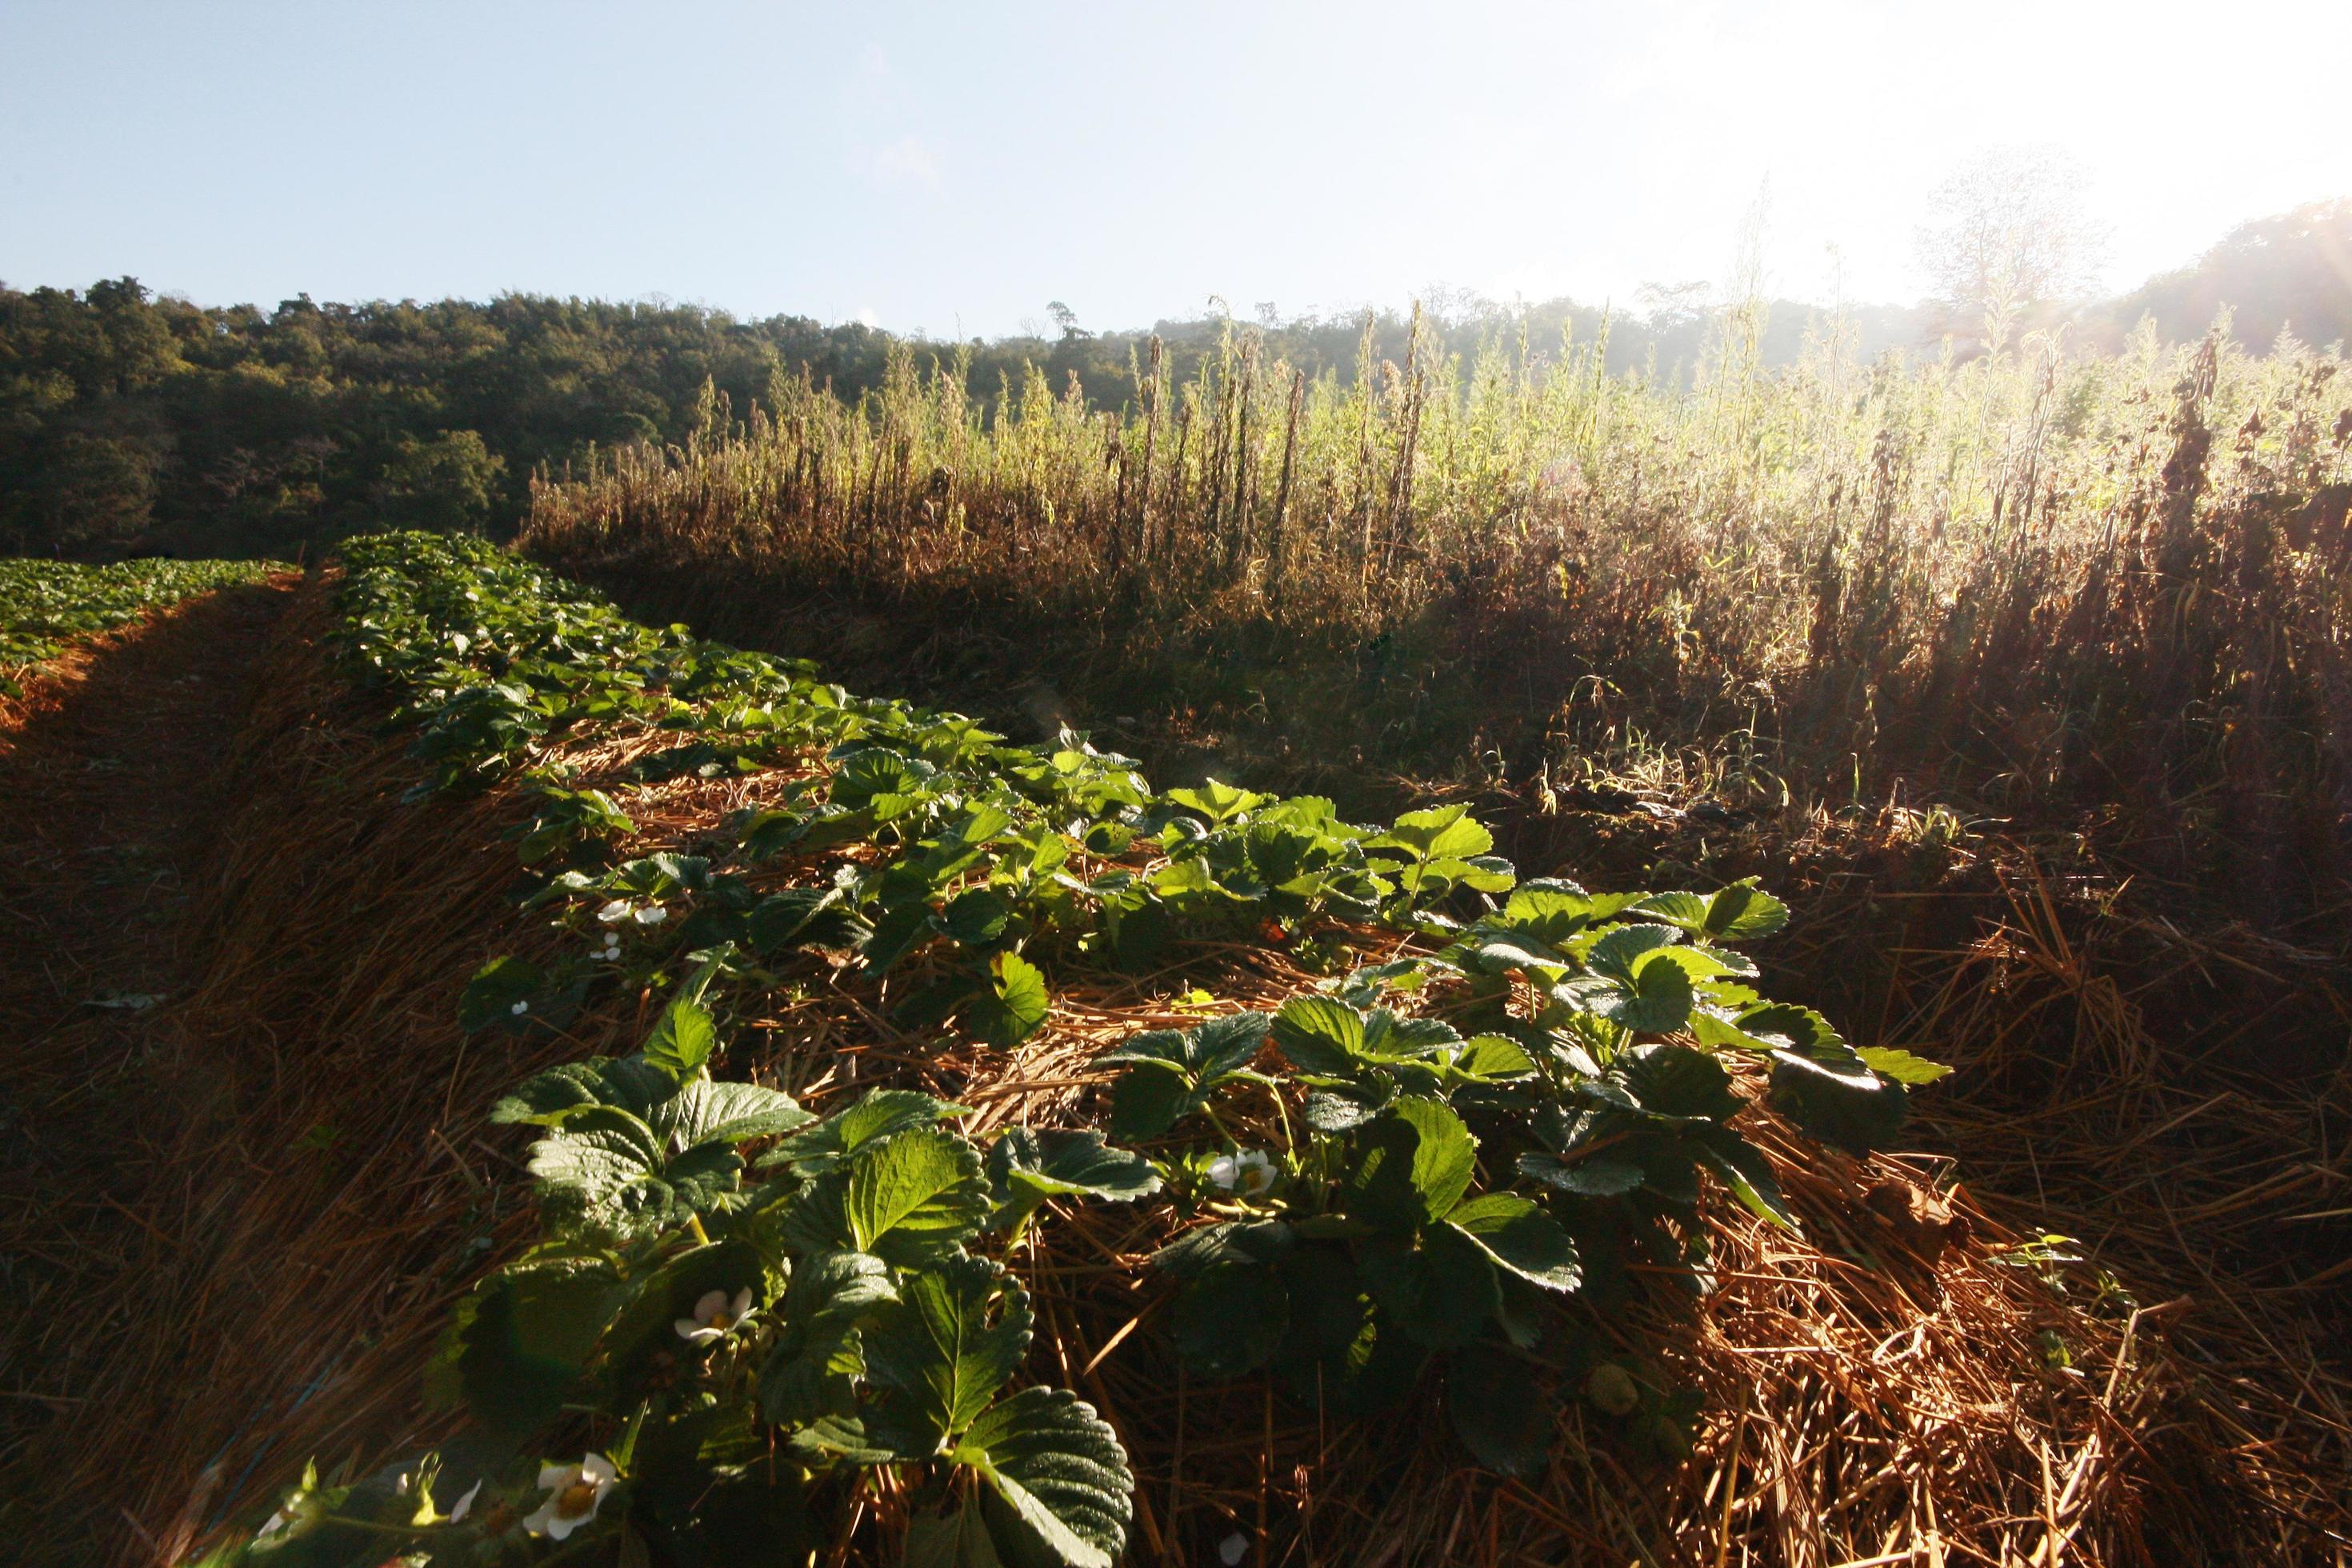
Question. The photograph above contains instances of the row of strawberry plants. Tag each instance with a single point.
(44, 605)
(740, 1316)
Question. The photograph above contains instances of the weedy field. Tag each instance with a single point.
(2101, 594)
(857, 1135)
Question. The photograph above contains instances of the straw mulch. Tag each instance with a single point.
(1886, 1389)
(59, 682)
(293, 1188)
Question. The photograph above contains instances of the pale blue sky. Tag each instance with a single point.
(935, 167)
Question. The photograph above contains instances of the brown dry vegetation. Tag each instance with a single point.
(309, 1185)
(2088, 592)
(214, 1235)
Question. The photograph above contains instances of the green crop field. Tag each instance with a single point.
(2050, 586)
(45, 605)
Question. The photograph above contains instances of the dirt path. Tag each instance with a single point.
(110, 792)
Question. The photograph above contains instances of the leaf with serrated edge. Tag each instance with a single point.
(1413, 1162)
(684, 1038)
(1744, 1169)
(1837, 1099)
(1438, 1286)
(1743, 912)
(811, 1368)
(1676, 1081)
(954, 1338)
(874, 1115)
(1491, 1057)
(1059, 1471)
(1593, 1178)
(1613, 951)
(1656, 1000)
(957, 1540)
(1320, 1034)
(1012, 1003)
(915, 1195)
(1026, 1167)
(1889, 1062)
(708, 1112)
(1687, 910)
(1520, 1237)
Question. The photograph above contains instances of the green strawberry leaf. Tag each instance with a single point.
(1742, 912)
(1674, 1082)
(1497, 1409)
(1320, 1036)
(685, 1036)
(1437, 1286)
(1412, 1164)
(952, 1339)
(1010, 1003)
(515, 1349)
(1833, 1095)
(911, 1199)
(1060, 1491)
(812, 1369)
(1026, 1168)
(1888, 1061)
(914, 1196)
(1229, 1318)
(1744, 1169)
(1519, 1237)
(874, 1115)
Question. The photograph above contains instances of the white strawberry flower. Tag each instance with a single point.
(519, 1008)
(715, 1315)
(651, 915)
(574, 1492)
(1248, 1172)
(615, 911)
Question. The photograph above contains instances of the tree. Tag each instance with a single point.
(82, 493)
(2277, 274)
(448, 481)
(2010, 234)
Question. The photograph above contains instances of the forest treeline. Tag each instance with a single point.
(132, 423)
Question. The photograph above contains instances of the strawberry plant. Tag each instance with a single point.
(740, 1317)
(749, 1339)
